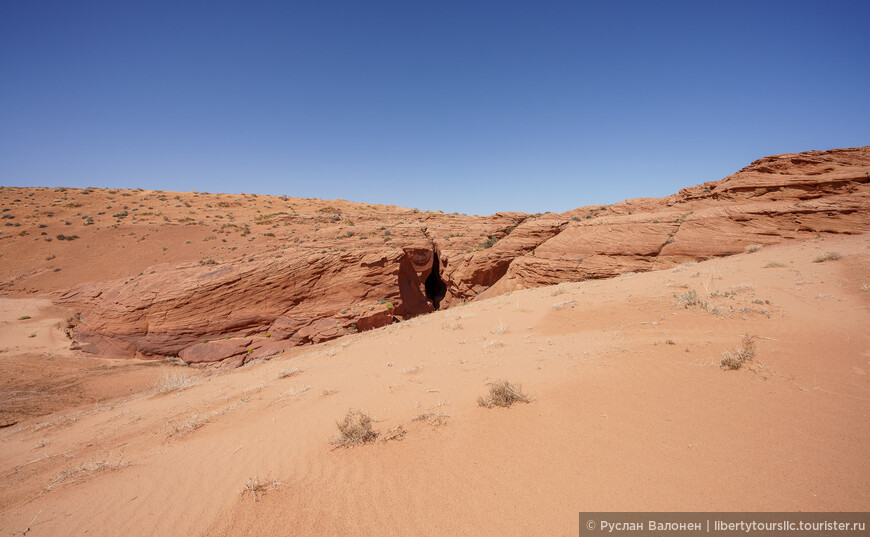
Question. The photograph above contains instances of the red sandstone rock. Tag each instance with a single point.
(214, 351)
(367, 277)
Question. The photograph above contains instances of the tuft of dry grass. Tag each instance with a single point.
(188, 425)
(354, 429)
(85, 470)
(257, 488)
(432, 415)
(741, 287)
(296, 392)
(830, 256)
(752, 248)
(396, 433)
(773, 264)
(171, 382)
(174, 360)
(504, 394)
(287, 373)
(735, 359)
(564, 305)
(557, 290)
(500, 329)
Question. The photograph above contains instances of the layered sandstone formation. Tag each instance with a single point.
(254, 306)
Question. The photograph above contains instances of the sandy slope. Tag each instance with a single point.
(631, 412)
(156, 227)
(40, 374)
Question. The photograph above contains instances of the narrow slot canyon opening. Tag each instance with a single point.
(435, 287)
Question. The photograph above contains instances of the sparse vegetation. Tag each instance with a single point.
(188, 425)
(503, 394)
(558, 290)
(257, 488)
(432, 415)
(171, 382)
(830, 256)
(689, 298)
(354, 429)
(752, 248)
(290, 372)
(773, 264)
(396, 433)
(85, 470)
(296, 392)
(735, 359)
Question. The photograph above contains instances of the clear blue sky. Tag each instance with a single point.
(463, 106)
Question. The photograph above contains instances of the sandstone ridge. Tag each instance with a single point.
(393, 265)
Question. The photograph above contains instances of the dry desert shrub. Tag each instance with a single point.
(773, 264)
(557, 290)
(171, 382)
(735, 359)
(752, 248)
(174, 360)
(296, 392)
(188, 425)
(504, 394)
(354, 429)
(741, 287)
(433, 416)
(257, 488)
(396, 433)
(830, 256)
(564, 305)
(290, 372)
(85, 470)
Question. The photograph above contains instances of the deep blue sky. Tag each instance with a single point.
(461, 106)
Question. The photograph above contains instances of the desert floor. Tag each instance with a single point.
(631, 411)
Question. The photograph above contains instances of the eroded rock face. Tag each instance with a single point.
(254, 307)
(776, 198)
(298, 300)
